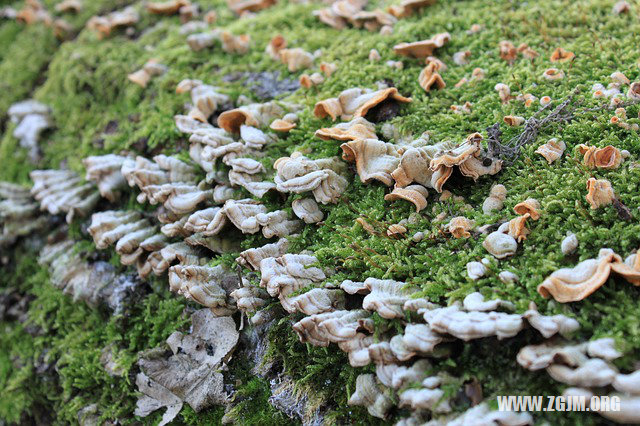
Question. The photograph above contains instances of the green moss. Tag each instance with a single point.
(69, 337)
(250, 402)
(8, 32)
(23, 63)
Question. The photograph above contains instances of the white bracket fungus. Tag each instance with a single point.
(31, 118)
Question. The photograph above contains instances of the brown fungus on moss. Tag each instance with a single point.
(422, 49)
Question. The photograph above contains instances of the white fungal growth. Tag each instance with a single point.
(338, 327)
(428, 397)
(371, 395)
(203, 40)
(500, 245)
(284, 275)
(628, 383)
(592, 373)
(92, 283)
(249, 298)
(277, 224)
(307, 209)
(473, 325)
(62, 191)
(159, 261)
(207, 99)
(550, 325)
(386, 297)
(495, 200)
(476, 270)
(315, 301)
(418, 339)
(569, 244)
(482, 414)
(253, 137)
(208, 286)
(105, 171)
(475, 302)
(251, 258)
(396, 376)
(208, 222)
(32, 118)
(299, 174)
(18, 213)
(504, 91)
(508, 277)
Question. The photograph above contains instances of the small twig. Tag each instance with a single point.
(510, 150)
(563, 113)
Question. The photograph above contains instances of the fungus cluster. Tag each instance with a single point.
(342, 13)
(18, 213)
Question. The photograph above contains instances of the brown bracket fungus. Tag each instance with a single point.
(561, 55)
(513, 121)
(254, 115)
(356, 102)
(599, 192)
(281, 125)
(170, 7)
(553, 74)
(424, 48)
(460, 226)
(408, 7)
(507, 51)
(574, 284)
(308, 81)
(243, 6)
(429, 77)
(374, 159)
(552, 150)
(358, 128)
(608, 157)
(104, 25)
(296, 59)
(274, 47)
(529, 206)
(415, 194)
